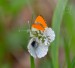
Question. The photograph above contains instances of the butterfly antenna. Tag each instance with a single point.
(28, 26)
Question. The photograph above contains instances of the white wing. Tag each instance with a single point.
(31, 50)
(41, 51)
(49, 32)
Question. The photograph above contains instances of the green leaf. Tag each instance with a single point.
(69, 24)
(56, 23)
(67, 53)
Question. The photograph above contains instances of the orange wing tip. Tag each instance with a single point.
(38, 27)
(40, 20)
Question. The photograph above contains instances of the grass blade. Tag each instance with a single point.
(56, 22)
(67, 53)
(73, 63)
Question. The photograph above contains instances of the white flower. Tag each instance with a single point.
(50, 34)
(37, 49)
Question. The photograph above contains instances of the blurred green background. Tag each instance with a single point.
(14, 17)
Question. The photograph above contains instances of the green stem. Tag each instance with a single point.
(32, 62)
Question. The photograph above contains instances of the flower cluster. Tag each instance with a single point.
(40, 41)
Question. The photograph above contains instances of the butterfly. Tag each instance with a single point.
(41, 38)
